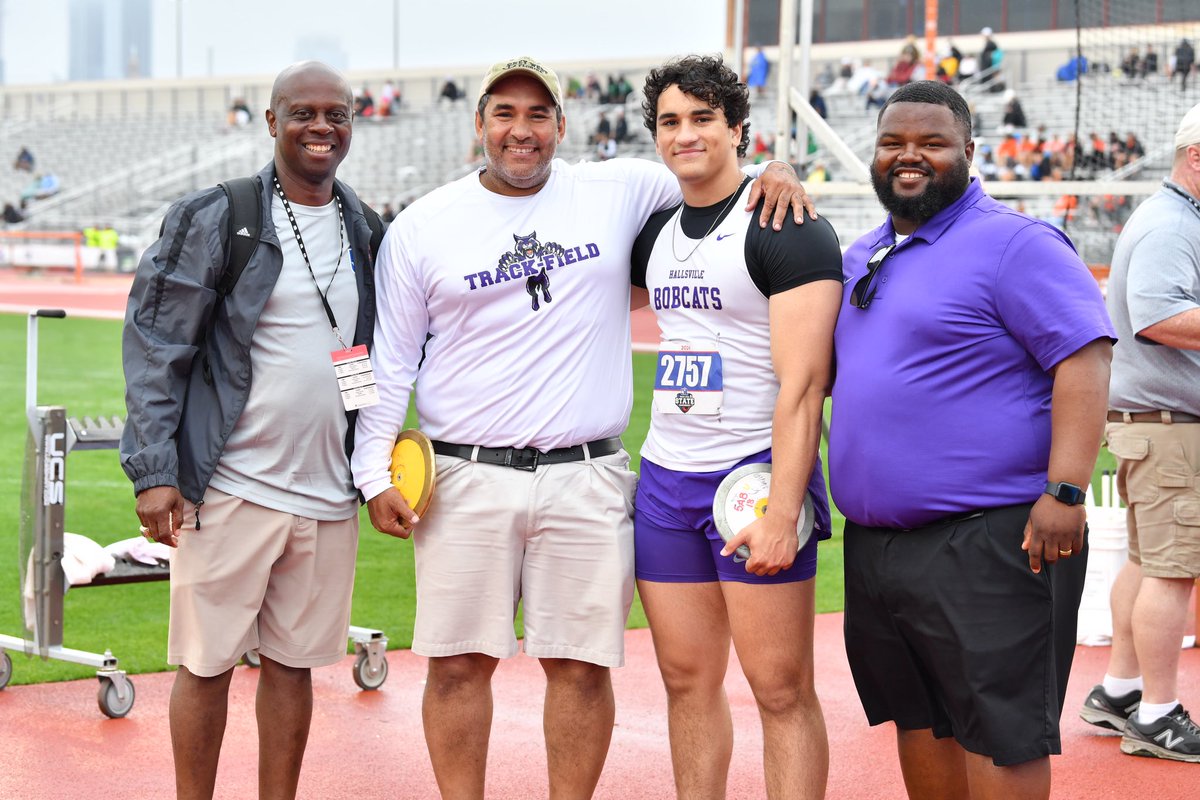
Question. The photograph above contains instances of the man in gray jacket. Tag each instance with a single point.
(237, 436)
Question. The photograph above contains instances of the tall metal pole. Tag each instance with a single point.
(739, 38)
(783, 108)
(395, 35)
(804, 76)
(178, 38)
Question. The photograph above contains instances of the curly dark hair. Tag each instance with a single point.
(703, 77)
(935, 93)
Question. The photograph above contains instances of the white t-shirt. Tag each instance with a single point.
(287, 451)
(525, 303)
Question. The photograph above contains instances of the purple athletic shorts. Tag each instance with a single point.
(676, 540)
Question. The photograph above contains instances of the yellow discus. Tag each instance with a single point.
(413, 469)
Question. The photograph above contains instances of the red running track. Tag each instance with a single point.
(56, 744)
(103, 297)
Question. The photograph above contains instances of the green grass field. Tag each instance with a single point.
(80, 369)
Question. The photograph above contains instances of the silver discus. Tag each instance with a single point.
(742, 498)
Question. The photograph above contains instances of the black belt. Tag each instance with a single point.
(1151, 416)
(529, 458)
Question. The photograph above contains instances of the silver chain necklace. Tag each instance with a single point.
(711, 228)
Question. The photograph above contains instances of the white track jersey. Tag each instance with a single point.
(519, 307)
(710, 297)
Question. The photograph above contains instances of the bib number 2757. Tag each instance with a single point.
(688, 382)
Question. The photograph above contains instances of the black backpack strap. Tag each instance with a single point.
(245, 222)
(377, 228)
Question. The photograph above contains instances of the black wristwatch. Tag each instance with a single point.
(1065, 492)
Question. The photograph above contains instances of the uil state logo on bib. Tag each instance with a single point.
(689, 378)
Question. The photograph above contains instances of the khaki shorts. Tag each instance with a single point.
(1158, 477)
(253, 577)
(558, 540)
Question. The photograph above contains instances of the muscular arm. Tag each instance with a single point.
(802, 321)
(1181, 331)
(1077, 411)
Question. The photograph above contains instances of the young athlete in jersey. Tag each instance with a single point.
(747, 322)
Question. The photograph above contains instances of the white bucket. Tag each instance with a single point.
(1108, 543)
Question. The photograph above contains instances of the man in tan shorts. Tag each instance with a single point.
(1154, 431)
(251, 479)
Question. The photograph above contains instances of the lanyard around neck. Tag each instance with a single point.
(287, 207)
(1177, 189)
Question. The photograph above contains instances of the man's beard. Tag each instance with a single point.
(941, 191)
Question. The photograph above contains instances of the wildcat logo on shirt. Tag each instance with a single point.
(532, 260)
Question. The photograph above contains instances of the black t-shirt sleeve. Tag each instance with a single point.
(798, 254)
(644, 243)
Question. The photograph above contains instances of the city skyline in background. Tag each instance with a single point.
(50, 41)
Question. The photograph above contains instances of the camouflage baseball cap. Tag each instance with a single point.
(527, 66)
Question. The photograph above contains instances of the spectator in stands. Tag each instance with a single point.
(11, 215)
(760, 68)
(948, 66)
(574, 88)
(621, 128)
(1014, 115)
(239, 113)
(606, 147)
(269, 562)
(909, 51)
(877, 93)
(986, 163)
(603, 129)
(364, 104)
(1133, 147)
(450, 91)
(1131, 65)
(624, 89)
(990, 56)
(388, 214)
(818, 103)
(24, 160)
(388, 99)
(1008, 151)
(901, 72)
(967, 67)
(43, 186)
(1184, 57)
(1149, 63)
(761, 150)
(593, 88)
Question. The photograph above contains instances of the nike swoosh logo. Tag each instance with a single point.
(721, 236)
(847, 280)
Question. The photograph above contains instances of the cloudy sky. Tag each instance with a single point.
(232, 37)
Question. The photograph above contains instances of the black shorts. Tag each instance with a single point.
(947, 628)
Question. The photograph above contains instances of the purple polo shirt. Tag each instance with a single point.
(941, 403)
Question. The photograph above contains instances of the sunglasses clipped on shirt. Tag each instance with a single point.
(864, 291)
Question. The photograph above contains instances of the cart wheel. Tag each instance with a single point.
(5, 668)
(250, 659)
(365, 677)
(111, 703)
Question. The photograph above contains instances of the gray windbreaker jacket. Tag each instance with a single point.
(187, 364)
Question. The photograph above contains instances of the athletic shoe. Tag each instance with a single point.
(1174, 736)
(1105, 711)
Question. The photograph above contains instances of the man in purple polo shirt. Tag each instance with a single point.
(973, 353)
